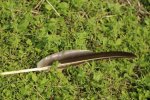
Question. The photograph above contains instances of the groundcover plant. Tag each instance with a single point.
(31, 30)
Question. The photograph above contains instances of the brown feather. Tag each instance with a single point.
(74, 57)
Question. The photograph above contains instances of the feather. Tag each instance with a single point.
(74, 57)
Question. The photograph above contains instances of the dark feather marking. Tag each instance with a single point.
(101, 55)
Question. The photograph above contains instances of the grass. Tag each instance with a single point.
(30, 30)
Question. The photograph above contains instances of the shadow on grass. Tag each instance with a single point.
(146, 4)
